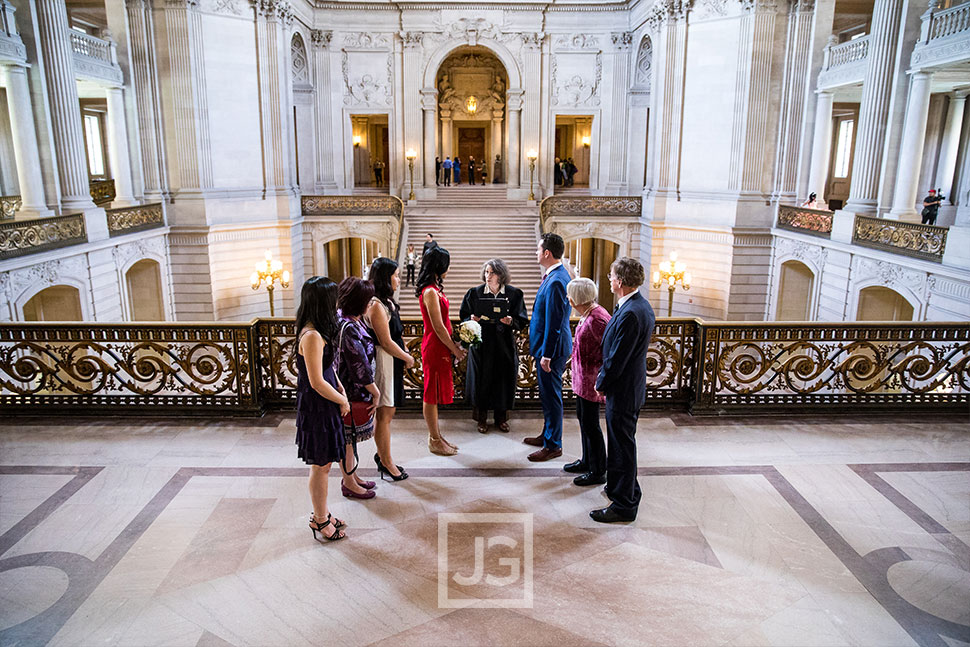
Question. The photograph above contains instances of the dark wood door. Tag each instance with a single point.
(471, 142)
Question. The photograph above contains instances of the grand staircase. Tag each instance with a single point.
(475, 223)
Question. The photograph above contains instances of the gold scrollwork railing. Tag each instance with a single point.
(817, 222)
(708, 368)
(127, 220)
(22, 237)
(102, 191)
(875, 366)
(9, 206)
(589, 206)
(927, 242)
(130, 368)
(344, 205)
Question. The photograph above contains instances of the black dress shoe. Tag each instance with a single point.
(590, 479)
(576, 467)
(609, 515)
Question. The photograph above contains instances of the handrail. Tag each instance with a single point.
(817, 222)
(948, 22)
(847, 52)
(927, 242)
(22, 237)
(93, 47)
(343, 205)
(705, 367)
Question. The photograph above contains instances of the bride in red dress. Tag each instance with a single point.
(437, 347)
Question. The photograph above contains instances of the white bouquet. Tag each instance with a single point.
(470, 333)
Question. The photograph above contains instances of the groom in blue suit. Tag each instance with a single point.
(623, 380)
(551, 344)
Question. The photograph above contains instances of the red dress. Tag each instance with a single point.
(439, 386)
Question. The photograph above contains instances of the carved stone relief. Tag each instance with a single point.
(153, 248)
(890, 275)
(366, 40)
(363, 84)
(644, 70)
(472, 78)
(568, 42)
(298, 57)
(787, 249)
(321, 38)
(581, 88)
(44, 275)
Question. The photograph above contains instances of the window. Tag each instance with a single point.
(843, 148)
(94, 140)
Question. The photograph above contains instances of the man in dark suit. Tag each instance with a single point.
(550, 343)
(429, 242)
(623, 380)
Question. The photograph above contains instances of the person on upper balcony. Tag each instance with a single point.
(931, 207)
(812, 202)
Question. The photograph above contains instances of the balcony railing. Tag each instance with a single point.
(594, 206)
(102, 191)
(22, 237)
(708, 368)
(9, 206)
(847, 52)
(344, 205)
(955, 20)
(127, 220)
(927, 242)
(95, 57)
(816, 222)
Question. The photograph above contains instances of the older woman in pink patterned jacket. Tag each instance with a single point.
(586, 362)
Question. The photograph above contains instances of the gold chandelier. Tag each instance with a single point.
(471, 104)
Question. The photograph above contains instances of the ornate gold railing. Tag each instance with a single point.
(22, 237)
(102, 191)
(128, 220)
(9, 206)
(817, 222)
(589, 206)
(707, 368)
(910, 239)
(343, 205)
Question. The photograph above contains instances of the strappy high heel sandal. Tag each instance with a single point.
(382, 470)
(317, 529)
(339, 523)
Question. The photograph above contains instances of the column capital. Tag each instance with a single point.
(622, 40)
(320, 38)
(514, 97)
(412, 39)
(429, 99)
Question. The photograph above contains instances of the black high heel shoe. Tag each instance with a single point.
(383, 470)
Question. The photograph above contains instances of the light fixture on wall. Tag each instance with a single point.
(411, 155)
(357, 140)
(532, 155)
(269, 272)
(585, 141)
(671, 271)
(471, 104)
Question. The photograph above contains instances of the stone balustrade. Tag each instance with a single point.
(847, 52)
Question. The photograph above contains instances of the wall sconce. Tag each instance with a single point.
(585, 141)
(411, 155)
(471, 104)
(532, 155)
(357, 140)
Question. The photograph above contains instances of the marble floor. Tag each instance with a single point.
(774, 531)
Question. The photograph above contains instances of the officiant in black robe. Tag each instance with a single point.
(494, 365)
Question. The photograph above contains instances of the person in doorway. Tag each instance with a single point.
(457, 167)
(570, 170)
(557, 171)
(446, 170)
(437, 171)
(379, 172)
(471, 170)
(931, 207)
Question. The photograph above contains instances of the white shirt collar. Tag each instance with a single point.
(624, 299)
(551, 268)
(501, 289)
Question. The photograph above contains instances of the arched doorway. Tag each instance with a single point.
(144, 281)
(591, 258)
(795, 284)
(878, 303)
(345, 257)
(472, 84)
(56, 303)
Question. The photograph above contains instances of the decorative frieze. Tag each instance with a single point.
(567, 42)
(579, 89)
(140, 249)
(366, 41)
(43, 275)
(889, 275)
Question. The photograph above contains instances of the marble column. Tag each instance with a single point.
(24, 141)
(821, 145)
(58, 53)
(429, 104)
(911, 148)
(447, 126)
(496, 143)
(638, 113)
(874, 110)
(514, 105)
(668, 96)
(323, 110)
(272, 54)
(118, 149)
(951, 144)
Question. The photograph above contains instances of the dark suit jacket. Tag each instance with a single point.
(623, 377)
(549, 334)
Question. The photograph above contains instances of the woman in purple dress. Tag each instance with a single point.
(586, 362)
(355, 368)
(320, 401)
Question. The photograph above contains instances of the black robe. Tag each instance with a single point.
(494, 366)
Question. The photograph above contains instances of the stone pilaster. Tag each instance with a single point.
(118, 149)
(272, 20)
(323, 109)
(821, 146)
(613, 143)
(530, 117)
(513, 106)
(58, 53)
(429, 105)
(911, 149)
(874, 110)
(413, 112)
(33, 202)
(671, 47)
(144, 80)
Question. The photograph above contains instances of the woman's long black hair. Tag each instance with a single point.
(381, 271)
(318, 308)
(433, 265)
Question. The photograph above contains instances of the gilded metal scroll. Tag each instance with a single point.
(22, 237)
(806, 221)
(138, 218)
(344, 205)
(927, 242)
(9, 206)
(589, 206)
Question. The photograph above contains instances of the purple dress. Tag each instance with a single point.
(319, 429)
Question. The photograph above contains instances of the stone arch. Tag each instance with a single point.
(501, 52)
(299, 61)
(907, 303)
(643, 70)
(796, 290)
(144, 290)
(65, 297)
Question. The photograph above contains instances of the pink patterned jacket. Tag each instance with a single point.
(588, 353)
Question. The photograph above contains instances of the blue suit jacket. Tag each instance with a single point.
(549, 334)
(623, 377)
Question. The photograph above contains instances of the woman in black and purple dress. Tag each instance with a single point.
(320, 401)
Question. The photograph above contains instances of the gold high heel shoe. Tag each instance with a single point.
(441, 447)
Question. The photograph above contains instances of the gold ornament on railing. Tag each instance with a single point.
(671, 271)
(270, 272)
